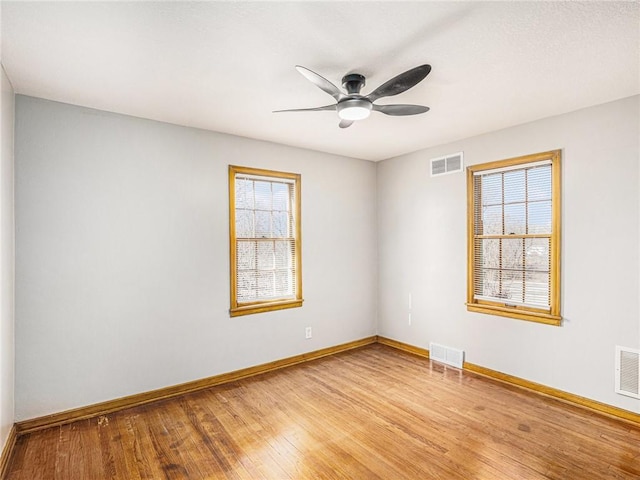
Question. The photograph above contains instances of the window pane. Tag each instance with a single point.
(265, 284)
(537, 254)
(539, 183)
(283, 254)
(246, 252)
(283, 283)
(280, 196)
(263, 224)
(244, 193)
(491, 191)
(244, 223)
(492, 220)
(280, 224)
(512, 287)
(540, 217)
(514, 186)
(512, 254)
(515, 219)
(488, 253)
(488, 283)
(265, 255)
(537, 292)
(246, 286)
(263, 195)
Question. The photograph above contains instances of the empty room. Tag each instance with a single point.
(319, 240)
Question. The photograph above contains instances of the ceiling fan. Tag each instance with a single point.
(352, 106)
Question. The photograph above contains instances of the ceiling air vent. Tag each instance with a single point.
(628, 371)
(447, 164)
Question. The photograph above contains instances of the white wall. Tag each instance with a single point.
(7, 365)
(122, 255)
(122, 270)
(422, 250)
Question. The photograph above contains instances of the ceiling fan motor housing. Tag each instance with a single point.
(355, 106)
(353, 82)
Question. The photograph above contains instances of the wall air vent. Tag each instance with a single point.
(628, 371)
(447, 164)
(448, 355)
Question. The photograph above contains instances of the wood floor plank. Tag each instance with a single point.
(370, 413)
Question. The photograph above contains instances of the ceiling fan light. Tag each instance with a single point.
(354, 109)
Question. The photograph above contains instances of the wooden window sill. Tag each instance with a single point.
(264, 307)
(516, 312)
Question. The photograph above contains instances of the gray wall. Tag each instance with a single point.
(422, 251)
(7, 303)
(123, 256)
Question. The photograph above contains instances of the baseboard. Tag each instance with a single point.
(405, 347)
(7, 451)
(110, 406)
(570, 398)
(566, 397)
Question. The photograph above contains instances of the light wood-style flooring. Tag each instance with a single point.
(370, 413)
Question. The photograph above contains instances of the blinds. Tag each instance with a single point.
(265, 238)
(512, 235)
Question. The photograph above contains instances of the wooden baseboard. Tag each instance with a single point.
(570, 398)
(566, 397)
(7, 451)
(405, 347)
(111, 406)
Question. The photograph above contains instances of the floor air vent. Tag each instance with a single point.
(628, 371)
(448, 355)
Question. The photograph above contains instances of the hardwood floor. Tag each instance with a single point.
(371, 413)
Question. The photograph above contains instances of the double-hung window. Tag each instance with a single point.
(514, 238)
(264, 226)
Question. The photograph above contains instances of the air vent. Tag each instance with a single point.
(448, 355)
(628, 371)
(447, 164)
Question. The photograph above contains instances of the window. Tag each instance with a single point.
(513, 252)
(264, 231)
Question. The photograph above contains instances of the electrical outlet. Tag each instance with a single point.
(307, 332)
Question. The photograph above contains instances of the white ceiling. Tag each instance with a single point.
(225, 66)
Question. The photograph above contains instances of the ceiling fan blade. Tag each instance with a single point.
(400, 110)
(320, 82)
(400, 83)
(345, 123)
(315, 109)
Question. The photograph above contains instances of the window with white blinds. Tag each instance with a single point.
(265, 240)
(514, 231)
